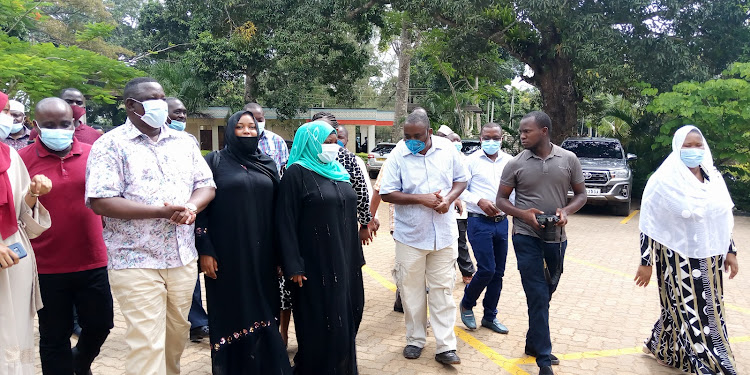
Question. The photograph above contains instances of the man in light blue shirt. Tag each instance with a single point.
(424, 177)
(487, 229)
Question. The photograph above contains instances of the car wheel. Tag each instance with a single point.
(622, 209)
(373, 174)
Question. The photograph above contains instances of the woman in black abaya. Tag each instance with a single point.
(235, 240)
(321, 253)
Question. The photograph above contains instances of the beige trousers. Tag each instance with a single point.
(155, 304)
(416, 269)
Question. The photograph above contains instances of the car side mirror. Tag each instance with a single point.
(632, 157)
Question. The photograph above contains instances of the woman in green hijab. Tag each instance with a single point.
(321, 253)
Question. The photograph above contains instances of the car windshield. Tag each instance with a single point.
(594, 149)
(383, 149)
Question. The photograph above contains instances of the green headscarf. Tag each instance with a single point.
(307, 146)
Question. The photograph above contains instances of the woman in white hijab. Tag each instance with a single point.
(686, 230)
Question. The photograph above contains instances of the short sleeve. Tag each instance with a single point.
(459, 169)
(576, 173)
(391, 176)
(202, 176)
(509, 175)
(104, 172)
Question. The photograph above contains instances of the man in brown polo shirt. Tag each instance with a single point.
(541, 175)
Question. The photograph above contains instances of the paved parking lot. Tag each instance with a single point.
(599, 318)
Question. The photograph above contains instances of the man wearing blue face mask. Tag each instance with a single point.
(177, 114)
(19, 134)
(149, 183)
(425, 175)
(71, 255)
(487, 228)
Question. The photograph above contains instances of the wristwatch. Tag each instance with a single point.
(191, 207)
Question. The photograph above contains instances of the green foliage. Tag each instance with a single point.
(719, 107)
(363, 156)
(35, 71)
(180, 80)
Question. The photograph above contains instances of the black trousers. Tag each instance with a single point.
(465, 265)
(89, 292)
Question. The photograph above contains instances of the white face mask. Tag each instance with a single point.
(329, 152)
(155, 112)
(261, 127)
(6, 123)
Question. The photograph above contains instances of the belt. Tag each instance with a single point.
(495, 219)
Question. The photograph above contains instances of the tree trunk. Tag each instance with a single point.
(402, 86)
(250, 89)
(555, 80)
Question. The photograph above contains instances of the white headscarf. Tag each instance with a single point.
(692, 218)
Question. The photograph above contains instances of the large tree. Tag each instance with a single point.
(579, 47)
(282, 49)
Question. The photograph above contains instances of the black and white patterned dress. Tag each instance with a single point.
(347, 159)
(690, 334)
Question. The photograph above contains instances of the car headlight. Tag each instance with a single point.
(620, 173)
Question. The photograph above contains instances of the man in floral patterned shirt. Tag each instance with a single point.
(149, 182)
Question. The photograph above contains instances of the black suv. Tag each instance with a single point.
(606, 172)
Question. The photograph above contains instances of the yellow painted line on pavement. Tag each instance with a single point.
(505, 363)
(601, 268)
(632, 215)
(631, 277)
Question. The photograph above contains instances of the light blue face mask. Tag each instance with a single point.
(17, 127)
(56, 139)
(415, 146)
(177, 125)
(6, 125)
(458, 145)
(692, 157)
(490, 147)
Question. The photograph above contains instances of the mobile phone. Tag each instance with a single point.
(18, 249)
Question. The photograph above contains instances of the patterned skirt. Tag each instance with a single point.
(691, 334)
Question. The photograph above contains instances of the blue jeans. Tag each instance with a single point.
(197, 316)
(489, 241)
(531, 252)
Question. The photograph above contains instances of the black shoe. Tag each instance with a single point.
(546, 370)
(76, 370)
(448, 358)
(555, 361)
(397, 306)
(412, 352)
(198, 333)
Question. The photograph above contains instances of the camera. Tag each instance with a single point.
(549, 230)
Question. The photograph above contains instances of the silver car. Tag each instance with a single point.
(376, 158)
(606, 172)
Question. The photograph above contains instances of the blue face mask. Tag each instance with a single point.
(341, 143)
(56, 139)
(490, 147)
(177, 125)
(17, 127)
(692, 157)
(414, 145)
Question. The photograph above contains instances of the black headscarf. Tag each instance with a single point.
(245, 149)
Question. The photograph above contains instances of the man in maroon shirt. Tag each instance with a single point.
(71, 255)
(83, 132)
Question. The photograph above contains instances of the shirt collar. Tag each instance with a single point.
(42, 152)
(131, 132)
(555, 152)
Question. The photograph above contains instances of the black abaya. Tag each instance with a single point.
(237, 228)
(317, 222)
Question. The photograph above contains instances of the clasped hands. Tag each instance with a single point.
(436, 202)
(178, 214)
